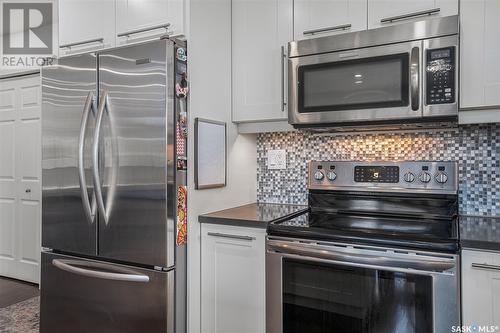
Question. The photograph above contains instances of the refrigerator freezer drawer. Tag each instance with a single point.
(87, 296)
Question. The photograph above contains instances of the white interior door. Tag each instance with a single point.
(20, 169)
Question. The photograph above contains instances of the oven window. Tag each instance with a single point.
(337, 299)
(377, 82)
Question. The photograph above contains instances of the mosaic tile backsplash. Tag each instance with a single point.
(476, 148)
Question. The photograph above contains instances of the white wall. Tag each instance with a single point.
(209, 47)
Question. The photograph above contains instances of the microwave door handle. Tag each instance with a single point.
(415, 78)
(283, 56)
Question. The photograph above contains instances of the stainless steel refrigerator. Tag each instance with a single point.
(113, 194)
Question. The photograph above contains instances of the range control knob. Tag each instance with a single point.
(409, 177)
(441, 177)
(331, 176)
(318, 175)
(425, 177)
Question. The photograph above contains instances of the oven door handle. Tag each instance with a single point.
(324, 253)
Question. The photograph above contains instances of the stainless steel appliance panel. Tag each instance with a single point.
(424, 29)
(448, 109)
(376, 89)
(84, 296)
(68, 115)
(417, 291)
(411, 176)
(136, 133)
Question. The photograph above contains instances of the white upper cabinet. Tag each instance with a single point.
(261, 30)
(480, 53)
(137, 20)
(316, 18)
(384, 12)
(86, 25)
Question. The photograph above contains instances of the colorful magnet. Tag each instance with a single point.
(181, 54)
(181, 216)
(181, 87)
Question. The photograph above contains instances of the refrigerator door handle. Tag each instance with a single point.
(89, 209)
(95, 156)
(121, 274)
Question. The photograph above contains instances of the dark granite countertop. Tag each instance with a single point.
(256, 215)
(478, 232)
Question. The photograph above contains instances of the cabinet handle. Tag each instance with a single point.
(138, 31)
(88, 41)
(327, 29)
(410, 15)
(217, 234)
(283, 57)
(486, 266)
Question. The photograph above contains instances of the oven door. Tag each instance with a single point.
(370, 84)
(339, 288)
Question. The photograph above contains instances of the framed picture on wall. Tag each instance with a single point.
(210, 153)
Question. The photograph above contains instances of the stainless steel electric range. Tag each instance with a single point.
(377, 251)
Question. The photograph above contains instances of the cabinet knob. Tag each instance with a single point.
(28, 190)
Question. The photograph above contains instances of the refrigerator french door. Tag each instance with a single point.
(110, 181)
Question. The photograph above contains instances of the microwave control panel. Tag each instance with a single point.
(441, 73)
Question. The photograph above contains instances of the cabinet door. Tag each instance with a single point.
(233, 279)
(139, 20)
(481, 288)
(380, 10)
(314, 18)
(261, 30)
(86, 25)
(479, 53)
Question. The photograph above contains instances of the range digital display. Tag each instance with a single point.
(376, 174)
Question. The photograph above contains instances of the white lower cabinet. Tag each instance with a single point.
(481, 288)
(232, 279)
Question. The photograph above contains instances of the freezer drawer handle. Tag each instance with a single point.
(138, 31)
(89, 209)
(128, 275)
(217, 234)
(486, 266)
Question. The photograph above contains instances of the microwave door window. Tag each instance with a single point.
(323, 298)
(369, 83)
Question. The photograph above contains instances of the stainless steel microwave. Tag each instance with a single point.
(399, 76)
